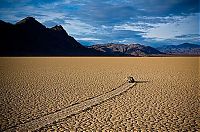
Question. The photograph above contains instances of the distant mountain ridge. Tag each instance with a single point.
(182, 49)
(126, 49)
(28, 37)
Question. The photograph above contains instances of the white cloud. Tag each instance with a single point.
(19, 13)
(88, 39)
(55, 4)
(50, 16)
(168, 28)
(139, 26)
(77, 27)
(188, 25)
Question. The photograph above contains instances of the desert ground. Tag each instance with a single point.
(165, 96)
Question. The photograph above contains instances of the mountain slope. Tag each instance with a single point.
(182, 49)
(28, 37)
(126, 49)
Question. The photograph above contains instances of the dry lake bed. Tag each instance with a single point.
(89, 94)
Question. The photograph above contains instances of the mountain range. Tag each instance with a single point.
(29, 37)
(182, 49)
(126, 49)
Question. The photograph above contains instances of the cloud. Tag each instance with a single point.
(188, 36)
(77, 27)
(54, 4)
(195, 38)
(139, 26)
(186, 25)
(17, 13)
(165, 28)
(88, 39)
(123, 21)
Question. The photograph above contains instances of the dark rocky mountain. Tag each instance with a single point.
(28, 37)
(126, 49)
(182, 49)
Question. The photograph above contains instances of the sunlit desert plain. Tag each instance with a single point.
(164, 98)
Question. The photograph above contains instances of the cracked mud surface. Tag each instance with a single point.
(72, 110)
(169, 101)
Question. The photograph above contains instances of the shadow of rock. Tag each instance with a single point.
(141, 81)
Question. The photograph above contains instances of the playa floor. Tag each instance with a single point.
(164, 98)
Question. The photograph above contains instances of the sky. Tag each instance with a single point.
(148, 22)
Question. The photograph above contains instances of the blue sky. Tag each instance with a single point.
(149, 22)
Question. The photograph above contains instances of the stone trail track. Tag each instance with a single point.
(70, 110)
